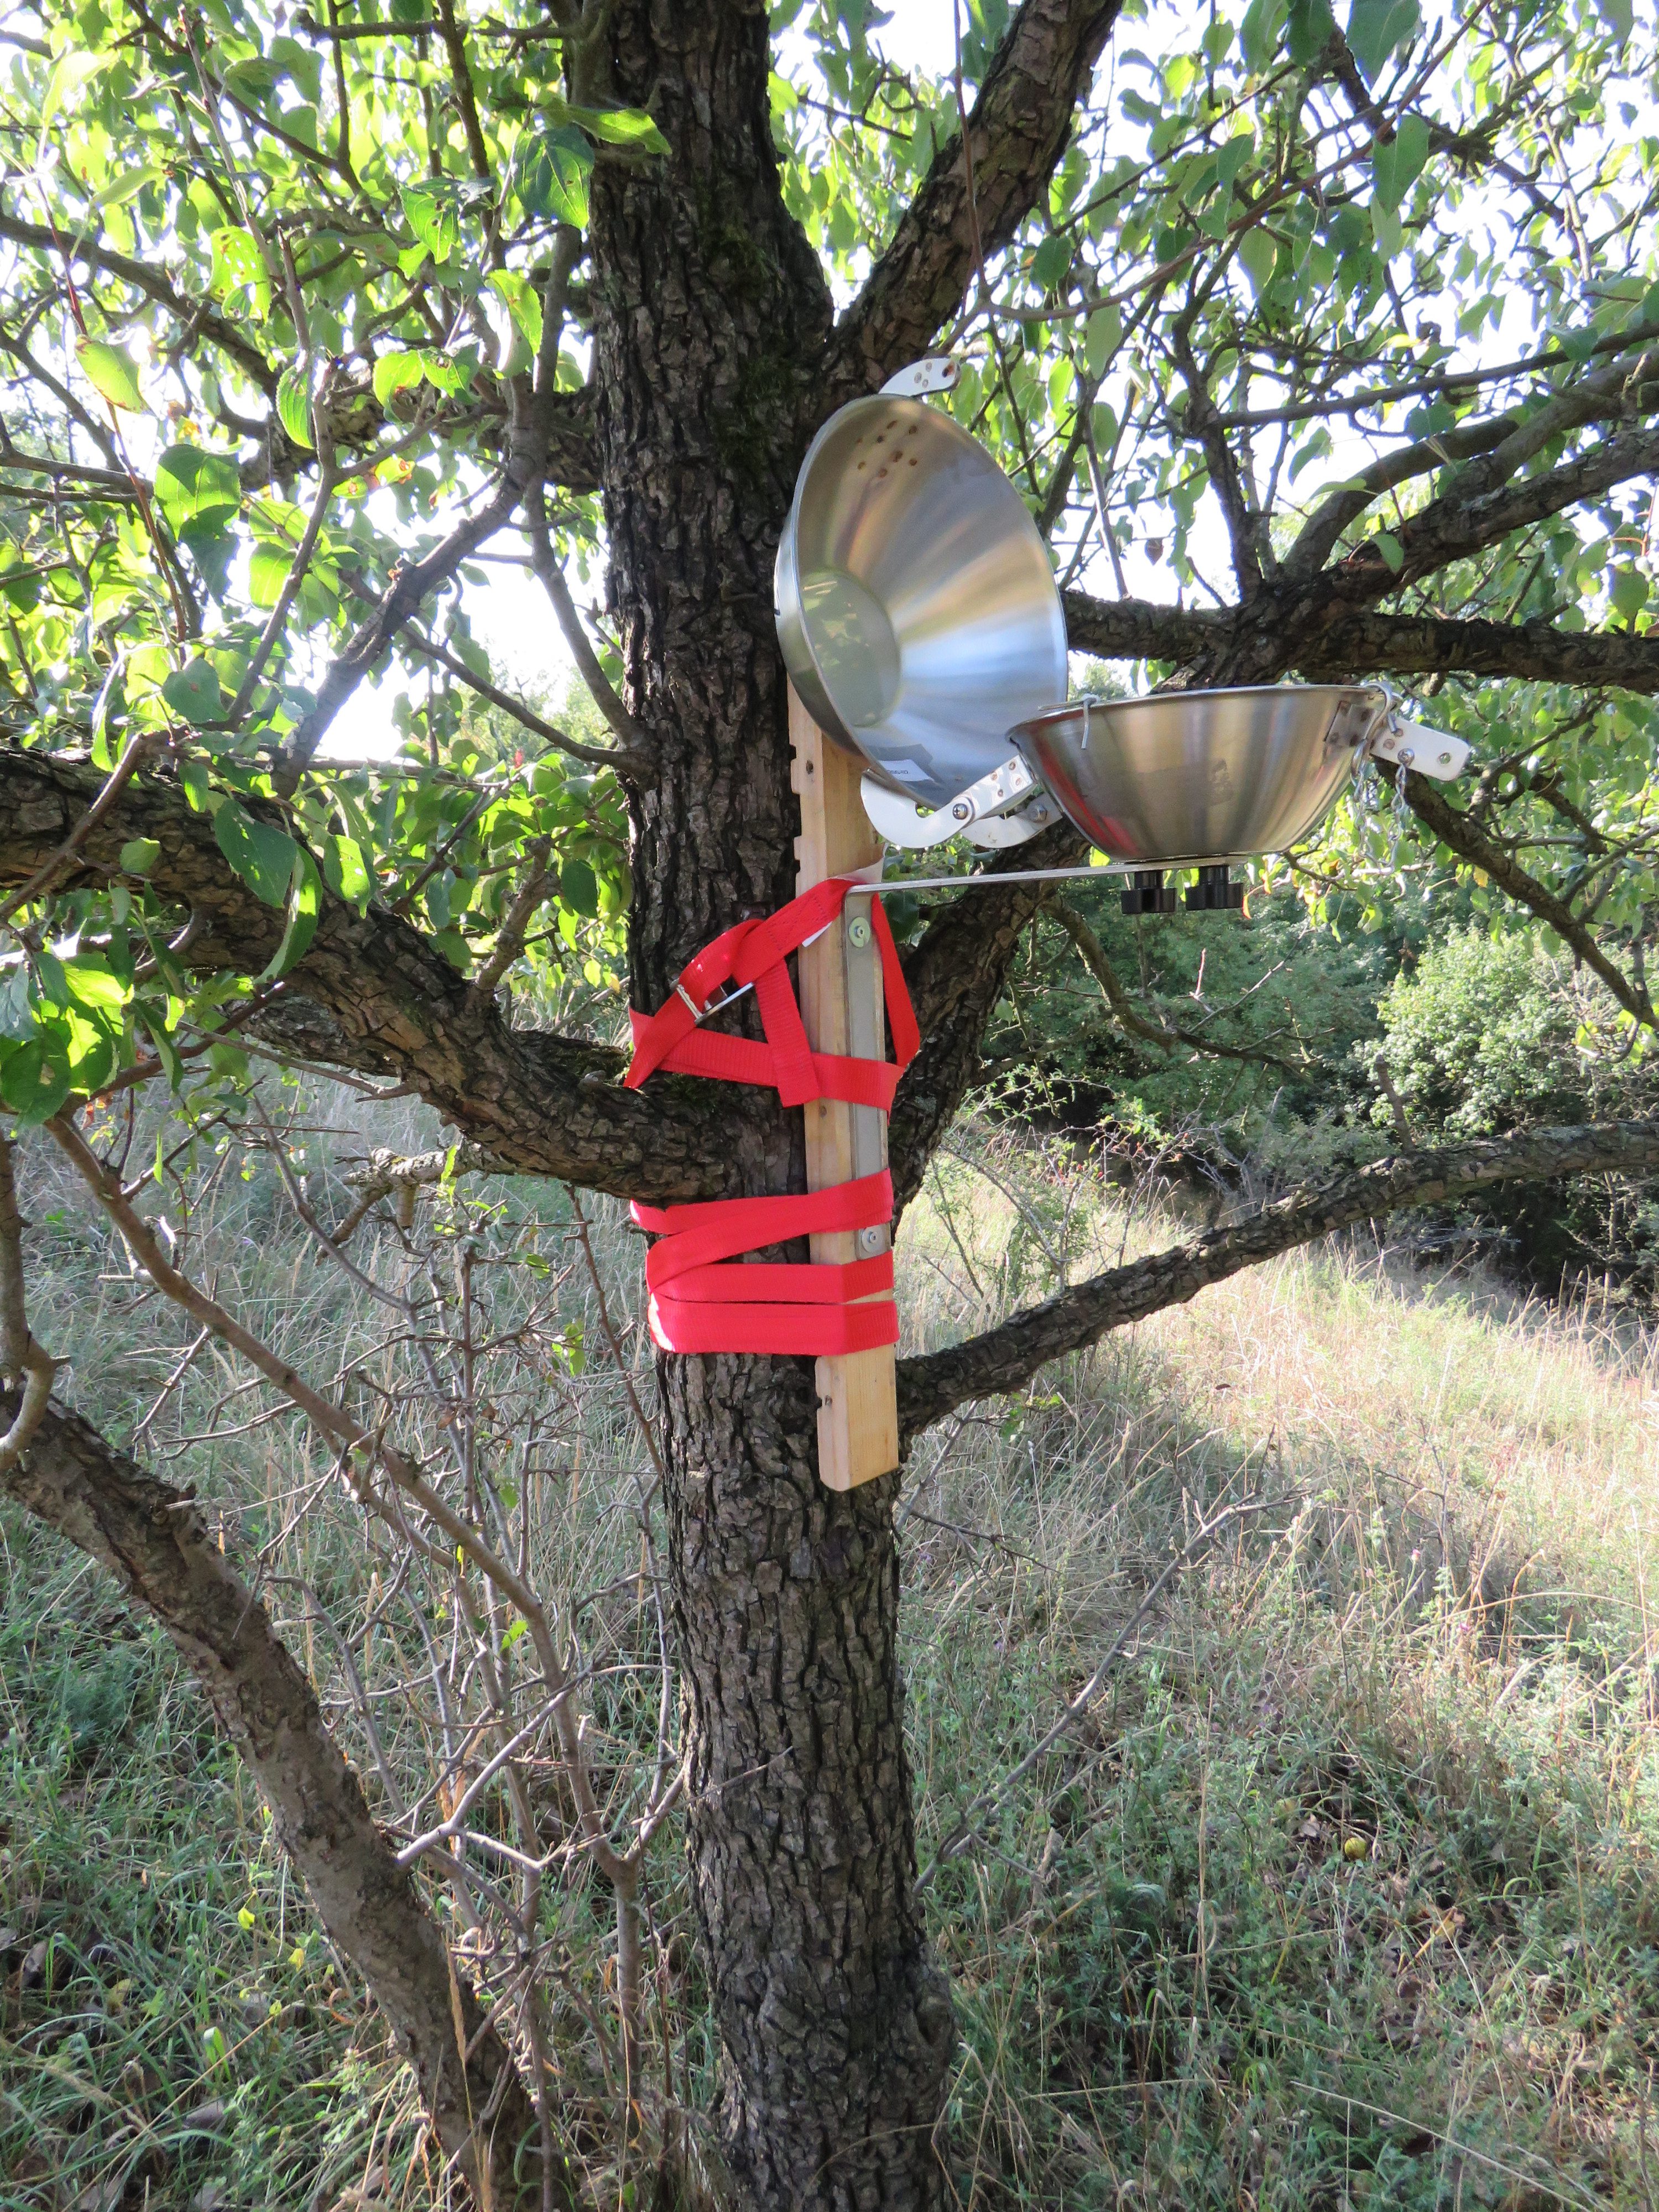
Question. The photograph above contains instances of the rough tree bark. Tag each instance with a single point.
(710, 315)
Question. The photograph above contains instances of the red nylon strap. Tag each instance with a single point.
(704, 1297)
(701, 1302)
(754, 952)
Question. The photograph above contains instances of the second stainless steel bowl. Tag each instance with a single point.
(1202, 775)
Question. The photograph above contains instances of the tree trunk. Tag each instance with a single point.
(156, 1543)
(710, 321)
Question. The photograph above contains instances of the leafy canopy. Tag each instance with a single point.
(277, 290)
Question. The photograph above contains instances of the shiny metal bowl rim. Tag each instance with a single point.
(1095, 703)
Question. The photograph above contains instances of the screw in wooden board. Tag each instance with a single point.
(870, 1240)
(858, 932)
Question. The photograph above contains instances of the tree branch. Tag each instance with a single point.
(541, 1104)
(1140, 629)
(1453, 526)
(1459, 831)
(955, 976)
(1017, 133)
(1093, 954)
(1422, 644)
(153, 1541)
(1313, 630)
(1005, 1358)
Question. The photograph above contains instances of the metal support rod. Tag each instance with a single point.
(991, 879)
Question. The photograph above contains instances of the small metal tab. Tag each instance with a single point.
(935, 373)
(1413, 744)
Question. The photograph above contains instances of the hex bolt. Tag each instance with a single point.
(858, 932)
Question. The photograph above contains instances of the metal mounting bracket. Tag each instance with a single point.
(1413, 744)
(935, 373)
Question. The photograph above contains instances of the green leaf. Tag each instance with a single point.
(1391, 550)
(16, 1009)
(262, 856)
(346, 871)
(139, 855)
(70, 74)
(1050, 262)
(430, 210)
(196, 489)
(621, 126)
(1377, 28)
(267, 572)
(112, 373)
(128, 186)
(304, 907)
(1628, 594)
(395, 372)
(294, 405)
(1101, 336)
(34, 1076)
(550, 173)
(166, 1051)
(1233, 156)
(93, 987)
(1259, 255)
(1397, 166)
(1618, 15)
(579, 888)
(523, 302)
(447, 376)
(1308, 30)
(194, 692)
(238, 264)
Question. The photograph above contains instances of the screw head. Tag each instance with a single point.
(961, 811)
(858, 932)
(869, 1240)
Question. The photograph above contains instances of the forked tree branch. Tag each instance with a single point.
(541, 1104)
(1312, 630)
(1005, 1358)
(1018, 131)
(154, 1540)
(1465, 837)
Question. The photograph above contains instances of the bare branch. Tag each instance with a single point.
(1621, 391)
(630, 735)
(541, 1104)
(1422, 644)
(1017, 133)
(21, 1359)
(1459, 831)
(1094, 958)
(1140, 629)
(1007, 1358)
(153, 1541)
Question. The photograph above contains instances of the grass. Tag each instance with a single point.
(1342, 1894)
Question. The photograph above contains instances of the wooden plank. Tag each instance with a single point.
(840, 1006)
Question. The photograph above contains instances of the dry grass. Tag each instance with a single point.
(1343, 1890)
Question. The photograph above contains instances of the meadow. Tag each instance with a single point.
(1337, 1889)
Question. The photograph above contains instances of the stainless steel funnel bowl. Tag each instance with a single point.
(916, 605)
(1191, 776)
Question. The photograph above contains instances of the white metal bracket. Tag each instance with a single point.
(1003, 808)
(1413, 744)
(935, 373)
